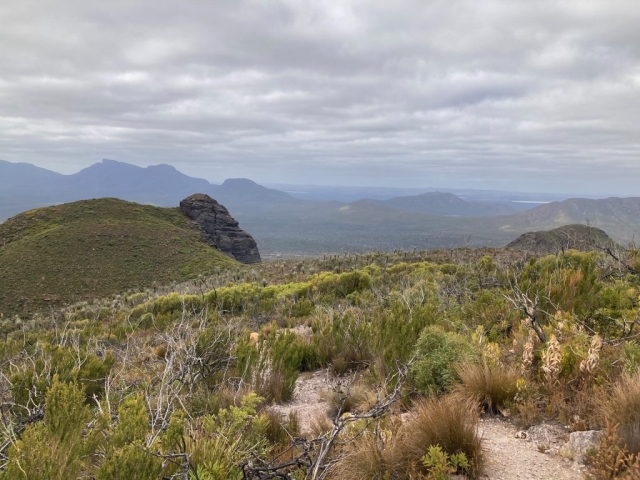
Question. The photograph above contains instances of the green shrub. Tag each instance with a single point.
(441, 465)
(90, 373)
(438, 354)
(344, 341)
(133, 422)
(631, 357)
(130, 461)
(343, 284)
(60, 447)
(273, 368)
(218, 444)
(302, 308)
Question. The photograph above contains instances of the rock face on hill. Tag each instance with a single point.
(219, 228)
(575, 237)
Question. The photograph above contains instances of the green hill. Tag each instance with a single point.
(575, 237)
(93, 248)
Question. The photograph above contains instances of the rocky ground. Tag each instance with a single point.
(533, 454)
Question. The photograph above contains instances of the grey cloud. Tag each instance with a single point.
(506, 94)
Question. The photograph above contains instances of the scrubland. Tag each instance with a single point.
(181, 381)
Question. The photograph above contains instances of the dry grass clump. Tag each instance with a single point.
(320, 425)
(611, 460)
(281, 430)
(350, 399)
(490, 387)
(623, 409)
(447, 422)
(365, 460)
(273, 386)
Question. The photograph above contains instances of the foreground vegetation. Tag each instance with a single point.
(180, 382)
(52, 256)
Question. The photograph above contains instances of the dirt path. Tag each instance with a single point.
(507, 456)
(308, 400)
(511, 458)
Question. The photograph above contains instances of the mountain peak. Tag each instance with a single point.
(239, 182)
(163, 167)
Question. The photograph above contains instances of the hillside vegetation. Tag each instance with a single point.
(88, 249)
(186, 381)
(567, 237)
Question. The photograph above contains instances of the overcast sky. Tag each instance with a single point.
(520, 94)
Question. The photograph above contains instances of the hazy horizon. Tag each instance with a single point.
(408, 190)
(498, 95)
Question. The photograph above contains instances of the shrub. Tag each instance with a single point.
(130, 461)
(441, 465)
(446, 422)
(611, 461)
(272, 369)
(491, 388)
(344, 340)
(631, 356)
(623, 409)
(55, 448)
(344, 284)
(437, 356)
(218, 444)
(90, 373)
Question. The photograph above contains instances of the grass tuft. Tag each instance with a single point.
(447, 422)
(623, 409)
(364, 460)
(490, 387)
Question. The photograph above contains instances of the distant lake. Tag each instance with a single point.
(529, 201)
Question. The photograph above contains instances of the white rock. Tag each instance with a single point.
(579, 444)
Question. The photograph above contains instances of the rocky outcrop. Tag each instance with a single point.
(575, 237)
(219, 228)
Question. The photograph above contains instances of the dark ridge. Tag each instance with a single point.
(568, 237)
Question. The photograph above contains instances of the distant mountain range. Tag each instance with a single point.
(284, 224)
(24, 186)
(438, 203)
(619, 217)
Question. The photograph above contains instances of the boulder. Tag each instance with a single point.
(219, 228)
(579, 444)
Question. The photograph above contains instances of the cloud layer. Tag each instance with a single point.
(526, 95)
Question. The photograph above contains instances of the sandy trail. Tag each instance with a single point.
(308, 400)
(507, 457)
(511, 458)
